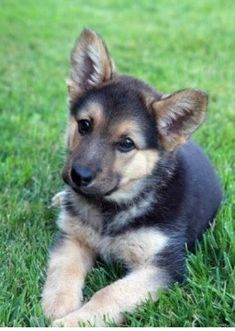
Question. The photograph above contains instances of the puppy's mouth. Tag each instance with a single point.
(93, 190)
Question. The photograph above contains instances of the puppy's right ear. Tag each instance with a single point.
(91, 64)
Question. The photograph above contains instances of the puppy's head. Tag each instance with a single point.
(119, 126)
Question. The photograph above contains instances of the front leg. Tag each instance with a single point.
(121, 296)
(70, 260)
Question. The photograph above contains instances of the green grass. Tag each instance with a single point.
(171, 44)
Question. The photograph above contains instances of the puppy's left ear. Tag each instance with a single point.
(178, 115)
(91, 64)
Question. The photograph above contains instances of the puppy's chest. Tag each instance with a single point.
(113, 234)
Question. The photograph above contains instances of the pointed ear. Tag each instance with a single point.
(178, 115)
(91, 64)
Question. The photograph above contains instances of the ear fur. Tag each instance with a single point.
(178, 115)
(91, 64)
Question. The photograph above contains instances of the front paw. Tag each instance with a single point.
(70, 321)
(77, 318)
(59, 304)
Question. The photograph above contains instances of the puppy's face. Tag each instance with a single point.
(119, 126)
(112, 140)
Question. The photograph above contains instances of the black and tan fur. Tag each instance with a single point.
(138, 206)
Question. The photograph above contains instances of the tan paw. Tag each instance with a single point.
(70, 321)
(57, 305)
(76, 319)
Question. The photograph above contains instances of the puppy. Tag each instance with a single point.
(137, 189)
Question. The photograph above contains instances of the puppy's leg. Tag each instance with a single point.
(121, 296)
(70, 260)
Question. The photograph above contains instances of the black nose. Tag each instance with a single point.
(82, 176)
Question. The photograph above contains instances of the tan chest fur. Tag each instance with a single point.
(134, 248)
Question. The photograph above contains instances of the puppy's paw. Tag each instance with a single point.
(70, 321)
(78, 318)
(59, 304)
(65, 322)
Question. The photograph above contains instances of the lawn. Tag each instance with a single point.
(170, 44)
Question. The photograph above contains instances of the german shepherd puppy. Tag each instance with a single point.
(137, 190)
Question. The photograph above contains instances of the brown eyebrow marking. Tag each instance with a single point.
(92, 110)
(128, 128)
(71, 135)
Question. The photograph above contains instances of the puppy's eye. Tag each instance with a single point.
(84, 127)
(125, 145)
